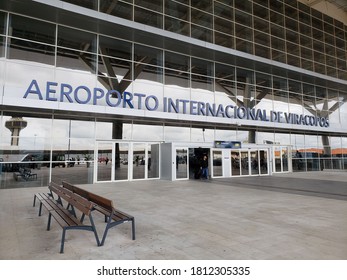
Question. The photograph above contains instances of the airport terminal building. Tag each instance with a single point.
(113, 90)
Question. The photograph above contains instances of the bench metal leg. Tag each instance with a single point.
(133, 227)
(40, 208)
(104, 236)
(93, 228)
(49, 221)
(34, 201)
(62, 241)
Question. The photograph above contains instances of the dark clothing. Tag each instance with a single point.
(204, 168)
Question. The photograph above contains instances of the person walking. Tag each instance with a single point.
(204, 167)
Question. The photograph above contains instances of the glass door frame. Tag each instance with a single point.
(283, 156)
(130, 164)
(177, 162)
(249, 162)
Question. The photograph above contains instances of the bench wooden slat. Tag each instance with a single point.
(77, 201)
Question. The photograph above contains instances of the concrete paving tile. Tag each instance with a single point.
(189, 220)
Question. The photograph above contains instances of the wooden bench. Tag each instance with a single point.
(105, 206)
(67, 219)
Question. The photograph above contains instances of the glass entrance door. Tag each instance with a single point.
(250, 162)
(181, 163)
(139, 161)
(105, 161)
(235, 163)
(281, 159)
(217, 164)
(263, 162)
(244, 163)
(122, 161)
(117, 161)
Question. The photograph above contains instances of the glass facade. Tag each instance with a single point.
(63, 89)
(284, 31)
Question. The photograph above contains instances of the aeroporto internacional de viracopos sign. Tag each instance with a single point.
(63, 92)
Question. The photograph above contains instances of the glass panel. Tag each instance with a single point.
(2, 46)
(177, 61)
(202, 67)
(181, 163)
(76, 39)
(148, 132)
(223, 11)
(104, 168)
(24, 151)
(153, 161)
(148, 55)
(154, 5)
(147, 17)
(244, 163)
(139, 157)
(285, 159)
(172, 133)
(29, 51)
(254, 162)
(121, 161)
(200, 18)
(263, 162)
(277, 157)
(122, 10)
(90, 4)
(2, 23)
(104, 130)
(177, 10)
(76, 60)
(115, 48)
(235, 163)
(205, 5)
(201, 33)
(217, 164)
(298, 161)
(177, 26)
(33, 30)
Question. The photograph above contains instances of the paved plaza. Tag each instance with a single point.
(287, 216)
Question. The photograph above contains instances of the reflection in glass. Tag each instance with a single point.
(277, 158)
(30, 51)
(181, 163)
(235, 163)
(2, 23)
(104, 161)
(146, 132)
(217, 164)
(139, 159)
(76, 39)
(76, 60)
(2, 46)
(263, 163)
(244, 163)
(90, 4)
(254, 162)
(285, 159)
(153, 161)
(122, 10)
(31, 29)
(148, 55)
(148, 17)
(121, 161)
(298, 160)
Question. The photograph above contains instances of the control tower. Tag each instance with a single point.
(15, 124)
